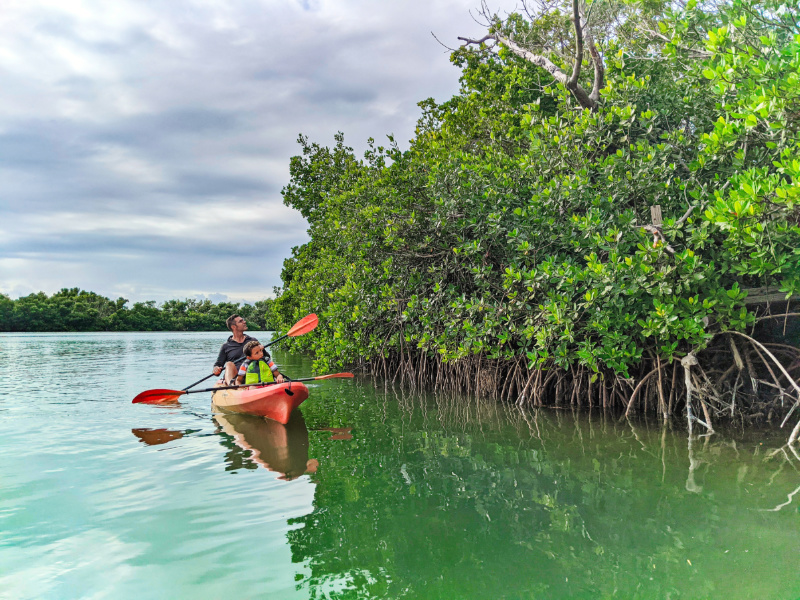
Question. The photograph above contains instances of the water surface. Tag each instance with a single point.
(366, 493)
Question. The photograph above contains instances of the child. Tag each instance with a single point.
(257, 367)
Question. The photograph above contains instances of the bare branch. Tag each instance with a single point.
(572, 83)
(442, 43)
(548, 65)
(685, 216)
(537, 59)
(468, 41)
(585, 99)
(599, 68)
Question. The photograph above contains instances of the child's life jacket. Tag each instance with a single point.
(258, 371)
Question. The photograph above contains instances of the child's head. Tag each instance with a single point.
(253, 350)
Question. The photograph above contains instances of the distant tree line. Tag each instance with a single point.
(78, 310)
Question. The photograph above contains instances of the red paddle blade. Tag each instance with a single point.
(303, 326)
(158, 396)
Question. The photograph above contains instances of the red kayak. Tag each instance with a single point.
(274, 401)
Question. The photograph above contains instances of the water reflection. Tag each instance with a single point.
(414, 497)
(156, 437)
(255, 441)
(456, 497)
(100, 498)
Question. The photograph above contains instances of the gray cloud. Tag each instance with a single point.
(143, 146)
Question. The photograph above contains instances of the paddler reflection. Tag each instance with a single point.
(262, 442)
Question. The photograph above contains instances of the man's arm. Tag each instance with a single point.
(221, 359)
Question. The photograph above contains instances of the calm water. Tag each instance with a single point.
(366, 493)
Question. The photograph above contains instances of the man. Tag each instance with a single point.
(232, 350)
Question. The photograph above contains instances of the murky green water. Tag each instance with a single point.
(366, 494)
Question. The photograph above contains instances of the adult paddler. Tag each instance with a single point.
(232, 352)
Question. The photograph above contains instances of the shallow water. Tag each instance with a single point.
(366, 493)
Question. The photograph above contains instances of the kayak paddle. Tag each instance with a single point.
(331, 376)
(302, 327)
(162, 396)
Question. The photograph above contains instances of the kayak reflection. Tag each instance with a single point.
(258, 441)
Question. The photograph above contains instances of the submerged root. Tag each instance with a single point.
(737, 378)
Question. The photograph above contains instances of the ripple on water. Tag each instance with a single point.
(413, 496)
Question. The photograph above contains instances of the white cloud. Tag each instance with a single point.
(141, 143)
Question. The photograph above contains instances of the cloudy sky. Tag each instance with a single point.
(144, 143)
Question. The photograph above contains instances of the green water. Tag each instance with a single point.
(367, 493)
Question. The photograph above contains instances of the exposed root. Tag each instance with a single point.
(730, 380)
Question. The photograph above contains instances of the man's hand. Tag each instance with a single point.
(279, 378)
(217, 370)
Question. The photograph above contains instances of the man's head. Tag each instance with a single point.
(236, 323)
(253, 350)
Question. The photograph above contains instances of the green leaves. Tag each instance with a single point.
(514, 226)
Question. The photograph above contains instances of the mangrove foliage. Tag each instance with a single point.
(588, 211)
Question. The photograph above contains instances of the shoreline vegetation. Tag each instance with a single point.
(582, 224)
(73, 309)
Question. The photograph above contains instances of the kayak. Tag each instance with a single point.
(274, 401)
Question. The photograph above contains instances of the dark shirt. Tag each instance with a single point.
(231, 351)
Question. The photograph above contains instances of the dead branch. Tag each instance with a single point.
(441, 43)
(685, 216)
(572, 82)
(484, 39)
(599, 68)
(583, 36)
(784, 315)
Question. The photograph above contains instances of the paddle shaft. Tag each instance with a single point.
(236, 387)
(162, 395)
(236, 362)
(224, 387)
(334, 376)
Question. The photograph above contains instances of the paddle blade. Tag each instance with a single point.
(158, 396)
(303, 326)
(335, 376)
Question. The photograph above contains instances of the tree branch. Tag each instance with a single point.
(585, 99)
(599, 68)
(468, 41)
(542, 61)
(576, 67)
(685, 216)
(536, 59)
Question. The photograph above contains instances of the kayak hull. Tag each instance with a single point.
(274, 401)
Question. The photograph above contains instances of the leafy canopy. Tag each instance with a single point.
(512, 226)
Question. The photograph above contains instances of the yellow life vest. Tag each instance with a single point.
(258, 371)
